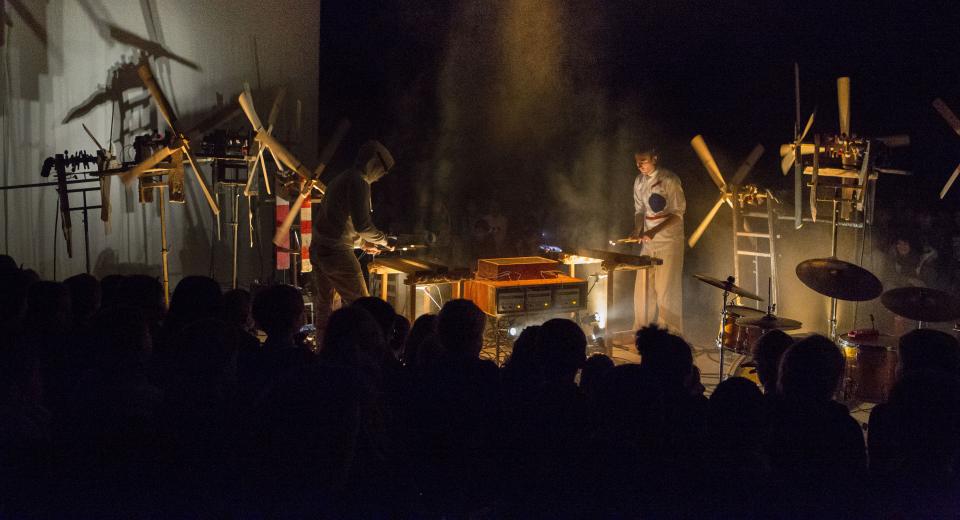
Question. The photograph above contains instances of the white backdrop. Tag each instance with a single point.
(267, 44)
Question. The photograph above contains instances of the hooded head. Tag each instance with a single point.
(374, 160)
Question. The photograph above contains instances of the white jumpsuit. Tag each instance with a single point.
(658, 294)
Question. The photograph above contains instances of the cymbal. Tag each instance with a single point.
(769, 321)
(745, 312)
(838, 279)
(922, 304)
(728, 286)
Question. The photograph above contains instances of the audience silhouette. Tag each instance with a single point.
(122, 408)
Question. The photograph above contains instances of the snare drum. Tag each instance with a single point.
(870, 367)
(738, 338)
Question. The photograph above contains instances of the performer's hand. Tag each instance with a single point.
(370, 249)
(647, 236)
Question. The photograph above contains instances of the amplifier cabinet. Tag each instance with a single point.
(562, 293)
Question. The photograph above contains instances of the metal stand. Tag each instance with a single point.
(723, 333)
(233, 189)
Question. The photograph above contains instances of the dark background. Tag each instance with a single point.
(618, 74)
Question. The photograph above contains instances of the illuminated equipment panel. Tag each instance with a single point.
(560, 293)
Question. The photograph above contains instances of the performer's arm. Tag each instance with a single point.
(360, 213)
(667, 221)
(639, 210)
(638, 225)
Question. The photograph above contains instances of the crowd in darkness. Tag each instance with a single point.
(112, 405)
(922, 246)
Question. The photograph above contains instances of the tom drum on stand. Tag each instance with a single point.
(870, 367)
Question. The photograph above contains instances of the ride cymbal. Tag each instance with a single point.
(770, 321)
(838, 279)
(727, 285)
(922, 304)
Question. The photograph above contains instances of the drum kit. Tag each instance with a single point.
(870, 356)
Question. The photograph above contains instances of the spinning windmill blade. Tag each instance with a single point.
(310, 180)
(843, 104)
(726, 191)
(309, 184)
(788, 152)
(181, 141)
(954, 123)
(252, 173)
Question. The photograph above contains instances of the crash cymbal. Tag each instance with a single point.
(922, 304)
(727, 285)
(745, 312)
(838, 279)
(769, 321)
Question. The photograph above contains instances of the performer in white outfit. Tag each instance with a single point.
(659, 205)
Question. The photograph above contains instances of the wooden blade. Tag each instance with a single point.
(706, 158)
(953, 177)
(146, 75)
(252, 173)
(806, 129)
(284, 229)
(695, 237)
(148, 163)
(786, 162)
(947, 114)
(203, 183)
(343, 126)
(266, 179)
(175, 189)
(246, 103)
(747, 165)
(280, 152)
(843, 103)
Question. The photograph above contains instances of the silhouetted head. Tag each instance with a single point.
(424, 327)
(278, 310)
(735, 412)
(928, 349)
(561, 349)
(195, 298)
(13, 296)
(8, 265)
(460, 327)
(810, 369)
(48, 303)
(353, 338)
(111, 289)
(236, 308)
(630, 404)
(84, 295)
(666, 356)
(524, 348)
(767, 352)
(121, 338)
(146, 292)
(381, 311)
(594, 370)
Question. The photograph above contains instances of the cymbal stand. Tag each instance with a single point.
(834, 228)
(723, 332)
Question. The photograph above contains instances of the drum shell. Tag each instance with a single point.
(870, 366)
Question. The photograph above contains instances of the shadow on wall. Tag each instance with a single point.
(108, 262)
